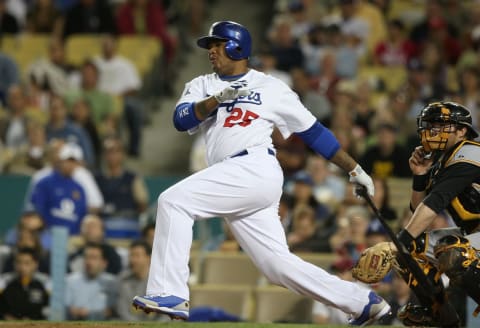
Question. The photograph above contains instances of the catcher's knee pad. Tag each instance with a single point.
(461, 263)
(418, 250)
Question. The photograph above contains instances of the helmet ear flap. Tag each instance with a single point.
(233, 50)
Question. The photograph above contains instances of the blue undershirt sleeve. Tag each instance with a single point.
(320, 139)
(184, 117)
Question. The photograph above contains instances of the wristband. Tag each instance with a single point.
(406, 239)
(420, 182)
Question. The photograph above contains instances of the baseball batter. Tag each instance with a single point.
(236, 109)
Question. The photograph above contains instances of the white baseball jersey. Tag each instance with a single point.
(248, 121)
(245, 190)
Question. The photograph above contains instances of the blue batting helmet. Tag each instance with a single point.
(239, 42)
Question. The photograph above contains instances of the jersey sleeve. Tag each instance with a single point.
(194, 91)
(293, 116)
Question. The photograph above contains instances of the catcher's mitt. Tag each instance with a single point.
(374, 263)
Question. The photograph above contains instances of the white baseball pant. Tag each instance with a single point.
(246, 191)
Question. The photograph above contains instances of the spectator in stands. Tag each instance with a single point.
(89, 17)
(266, 62)
(350, 237)
(8, 22)
(381, 199)
(13, 129)
(301, 24)
(30, 221)
(29, 157)
(146, 17)
(124, 191)
(386, 157)
(435, 61)
(102, 104)
(376, 233)
(400, 296)
(57, 197)
(133, 282)
(43, 17)
(397, 49)
(326, 82)
(291, 153)
(92, 293)
(148, 233)
(354, 27)
(304, 236)
(313, 47)
(300, 186)
(283, 45)
(119, 77)
(9, 73)
(436, 27)
(93, 231)
(52, 73)
(364, 111)
(81, 114)
(469, 82)
(25, 292)
(316, 102)
(328, 187)
(80, 174)
(28, 238)
(61, 127)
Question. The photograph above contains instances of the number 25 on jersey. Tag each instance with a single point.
(239, 117)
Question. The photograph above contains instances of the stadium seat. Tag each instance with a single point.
(277, 304)
(25, 48)
(80, 47)
(229, 269)
(141, 50)
(236, 300)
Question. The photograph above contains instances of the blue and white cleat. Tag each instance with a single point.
(173, 306)
(374, 310)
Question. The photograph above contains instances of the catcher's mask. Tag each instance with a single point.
(437, 120)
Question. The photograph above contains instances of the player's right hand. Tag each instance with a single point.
(419, 164)
(230, 93)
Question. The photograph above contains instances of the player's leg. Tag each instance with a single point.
(262, 237)
(229, 188)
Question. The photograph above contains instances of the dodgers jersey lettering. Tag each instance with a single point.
(248, 121)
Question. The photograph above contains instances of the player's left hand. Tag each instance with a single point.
(230, 93)
(358, 175)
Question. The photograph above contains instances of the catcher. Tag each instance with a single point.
(446, 181)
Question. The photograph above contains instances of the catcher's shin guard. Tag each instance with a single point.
(461, 263)
(438, 313)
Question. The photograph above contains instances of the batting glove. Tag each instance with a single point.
(230, 93)
(358, 175)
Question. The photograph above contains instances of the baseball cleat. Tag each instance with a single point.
(175, 307)
(374, 310)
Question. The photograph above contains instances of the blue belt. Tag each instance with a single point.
(245, 152)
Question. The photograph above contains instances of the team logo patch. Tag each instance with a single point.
(375, 261)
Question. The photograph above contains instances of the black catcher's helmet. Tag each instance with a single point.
(445, 114)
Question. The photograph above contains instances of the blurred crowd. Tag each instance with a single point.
(364, 68)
